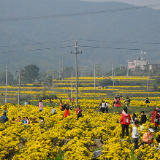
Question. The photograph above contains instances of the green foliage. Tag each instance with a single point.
(48, 81)
(30, 74)
(68, 72)
(157, 80)
(46, 96)
(106, 82)
(26, 97)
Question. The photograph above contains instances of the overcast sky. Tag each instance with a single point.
(134, 2)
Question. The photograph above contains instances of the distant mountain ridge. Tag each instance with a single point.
(101, 36)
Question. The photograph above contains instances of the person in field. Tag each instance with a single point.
(118, 104)
(154, 117)
(127, 101)
(4, 118)
(23, 120)
(103, 106)
(19, 119)
(147, 100)
(79, 112)
(40, 104)
(61, 106)
(66, 112)
(148, 137)
(27, 120)
(53, 111)
(107, 107)
(25, 103)
(125, 121)
(135, 135)
(142, 121)
(114, 102)
(143, 118)
(134, 117)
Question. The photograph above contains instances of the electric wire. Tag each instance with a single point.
(77, 14)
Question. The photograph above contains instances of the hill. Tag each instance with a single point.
(42, 32)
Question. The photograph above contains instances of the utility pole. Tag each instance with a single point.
(76, 69)
(94, 76)
(62, 70)
(6, 86)
(59, 69)
(113, 79)
(112, 69)
(53, 83)
(71, 83)
(127, 71)
(19, 85)
(147, 83)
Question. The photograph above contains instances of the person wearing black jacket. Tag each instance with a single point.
(147, 100)
(143, 118)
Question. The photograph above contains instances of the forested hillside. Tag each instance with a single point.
(42, 32)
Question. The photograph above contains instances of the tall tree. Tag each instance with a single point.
(30, 73)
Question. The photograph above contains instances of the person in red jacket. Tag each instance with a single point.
(125, 121)
(66, 112)
(118, 104)
(154, 116)
(79, 112)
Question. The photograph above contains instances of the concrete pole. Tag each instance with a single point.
(71, 83)
(59, 69)
(76, 72)
(53, 83)
(6, 86)
(94, 76)
(112, 69)
(127, 71)
(62, 69)
(19, 85)
(113, 78)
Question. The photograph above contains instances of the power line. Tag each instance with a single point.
(77, 14)
(155, 43)
(33, 44)
(119, 48)
(38, 49)
(93, 47)
(133, 34)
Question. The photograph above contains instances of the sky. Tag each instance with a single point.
(134, 2)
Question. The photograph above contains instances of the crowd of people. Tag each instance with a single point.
(148, 137)
(125, 120)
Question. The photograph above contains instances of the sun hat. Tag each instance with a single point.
(151, 130)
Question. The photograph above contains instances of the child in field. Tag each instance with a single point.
(135, 135)
(27, 120)
(23, 120)
(19, 119)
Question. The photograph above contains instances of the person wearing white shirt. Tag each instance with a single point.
(135, 135)
(53, 111)
(25, 103)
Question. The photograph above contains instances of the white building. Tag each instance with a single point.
(135, 63)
